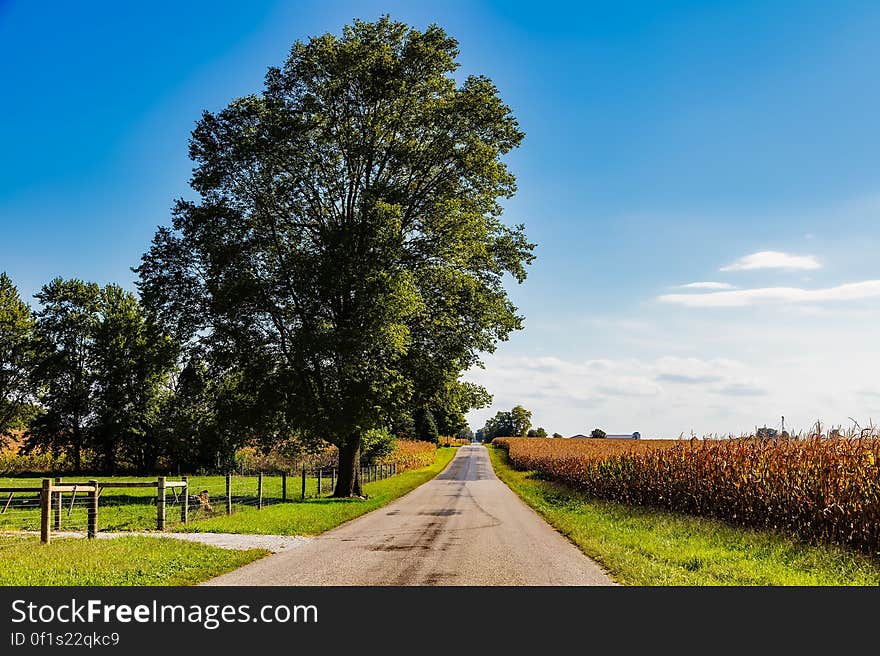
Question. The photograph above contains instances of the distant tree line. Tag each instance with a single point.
(515, 423)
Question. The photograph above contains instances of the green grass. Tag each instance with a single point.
(314, 516)
(646, 546)
(117, 561)
(135, 560)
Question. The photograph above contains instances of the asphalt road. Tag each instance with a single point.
(464, 527)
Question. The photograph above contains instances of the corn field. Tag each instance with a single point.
(452, 441)
(410, 454)
(819, 489)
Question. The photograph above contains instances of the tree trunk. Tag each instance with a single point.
(77, 450)
(348, 482)
(110, 458)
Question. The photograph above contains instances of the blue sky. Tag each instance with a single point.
(665, 141)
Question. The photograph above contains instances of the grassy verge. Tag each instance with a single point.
(645, 546)
(120, 561)
(313, 516)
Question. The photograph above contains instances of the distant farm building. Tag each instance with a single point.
(631, 436)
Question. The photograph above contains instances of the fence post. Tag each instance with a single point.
(45, 505)
(260, 491)
(160, 504)
(283, 486)
(57, 507)
(304, 481)
(319, 482)
(92, 530)
(333, 479)
(228, 494)
(184, 508)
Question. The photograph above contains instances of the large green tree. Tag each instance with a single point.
(515, 423)
(453, 401)
(209, 415)
(100, 371)
(347, 254)
(426, 426)
(63, 374)
(131, 363)
(16, 351)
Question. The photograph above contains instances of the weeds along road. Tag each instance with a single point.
(464, 527)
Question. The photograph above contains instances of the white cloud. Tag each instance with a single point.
(707, 285)
(687, 379)
(743, 297)
(781, 368)
(773, 260)
(620, 395)
(742, 389)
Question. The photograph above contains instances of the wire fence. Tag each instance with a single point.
(126, 504)
(20, 508)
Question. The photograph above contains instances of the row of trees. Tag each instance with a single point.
(342, 266)
(89, 373)
(518, 423)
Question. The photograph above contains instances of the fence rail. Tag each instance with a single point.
(60, 505)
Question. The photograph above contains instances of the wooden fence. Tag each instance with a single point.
(52, 504)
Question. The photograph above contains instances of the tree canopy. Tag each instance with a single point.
(515, 423)
(98, 370)
(346, 256)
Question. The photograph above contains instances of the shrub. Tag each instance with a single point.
(13, 463)
(377, 444)
(252, 460)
